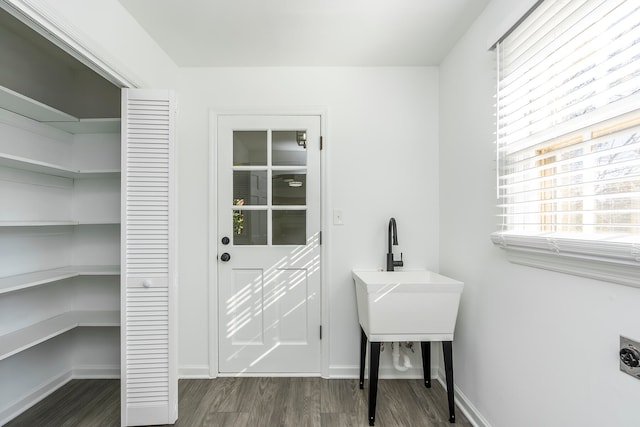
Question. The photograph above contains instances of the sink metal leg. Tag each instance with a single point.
(426, 362)
(363, 355)
(374, 364)
(447, 349)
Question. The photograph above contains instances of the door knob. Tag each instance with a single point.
(225, 257)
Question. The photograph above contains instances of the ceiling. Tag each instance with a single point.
(226, 33)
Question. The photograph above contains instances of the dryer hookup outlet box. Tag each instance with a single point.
(630, 357)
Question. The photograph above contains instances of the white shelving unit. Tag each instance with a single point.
(43, 223)
(22, 339)
(27, 107)
(30, 165)
(60, 214)
(37, 278)
(60, 243)
(89, 126)
(62, 208)
(24, 106)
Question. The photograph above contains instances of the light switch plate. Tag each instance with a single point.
(338, 217)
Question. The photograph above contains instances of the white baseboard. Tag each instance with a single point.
(340, 372)
(43, 390)
(464, 404)
(194, 372)
(337, 372)
(103, 372)
(385, 372)
(33, 396)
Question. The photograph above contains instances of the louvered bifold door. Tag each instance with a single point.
(149, 378)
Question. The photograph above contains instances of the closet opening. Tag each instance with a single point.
(60, 192)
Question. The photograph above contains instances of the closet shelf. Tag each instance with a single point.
(89, 126)
(36, 110)
(31, 165)
(22, 339)
(37, 278)
(28, 107)
(42, 223)
(47, 223)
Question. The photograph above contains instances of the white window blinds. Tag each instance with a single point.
(568, 124)
(568, 139)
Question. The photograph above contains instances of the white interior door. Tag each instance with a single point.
(269, 244)
(149, 346)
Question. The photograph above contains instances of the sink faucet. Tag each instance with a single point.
(393, 238)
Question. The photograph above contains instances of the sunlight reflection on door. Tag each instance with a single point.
(269, 307)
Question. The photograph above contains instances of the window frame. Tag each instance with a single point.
(595, 259)
(609, 259)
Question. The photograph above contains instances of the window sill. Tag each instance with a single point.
(610, 261)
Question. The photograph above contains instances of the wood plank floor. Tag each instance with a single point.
(252, 402)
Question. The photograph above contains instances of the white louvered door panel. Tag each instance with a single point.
(149, 380)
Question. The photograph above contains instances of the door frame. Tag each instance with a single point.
(214, 114)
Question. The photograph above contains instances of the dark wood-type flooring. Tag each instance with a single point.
(252, 402)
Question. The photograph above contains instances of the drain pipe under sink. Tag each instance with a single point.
(395, 353)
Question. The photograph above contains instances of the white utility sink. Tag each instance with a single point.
(409, 305)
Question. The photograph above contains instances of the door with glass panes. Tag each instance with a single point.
(269, 244)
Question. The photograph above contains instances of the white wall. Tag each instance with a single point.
(382, 154)
(532, 347)
(381, 150)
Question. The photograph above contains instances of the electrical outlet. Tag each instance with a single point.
(630, 357)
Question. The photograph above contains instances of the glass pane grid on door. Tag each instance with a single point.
(269, 187)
